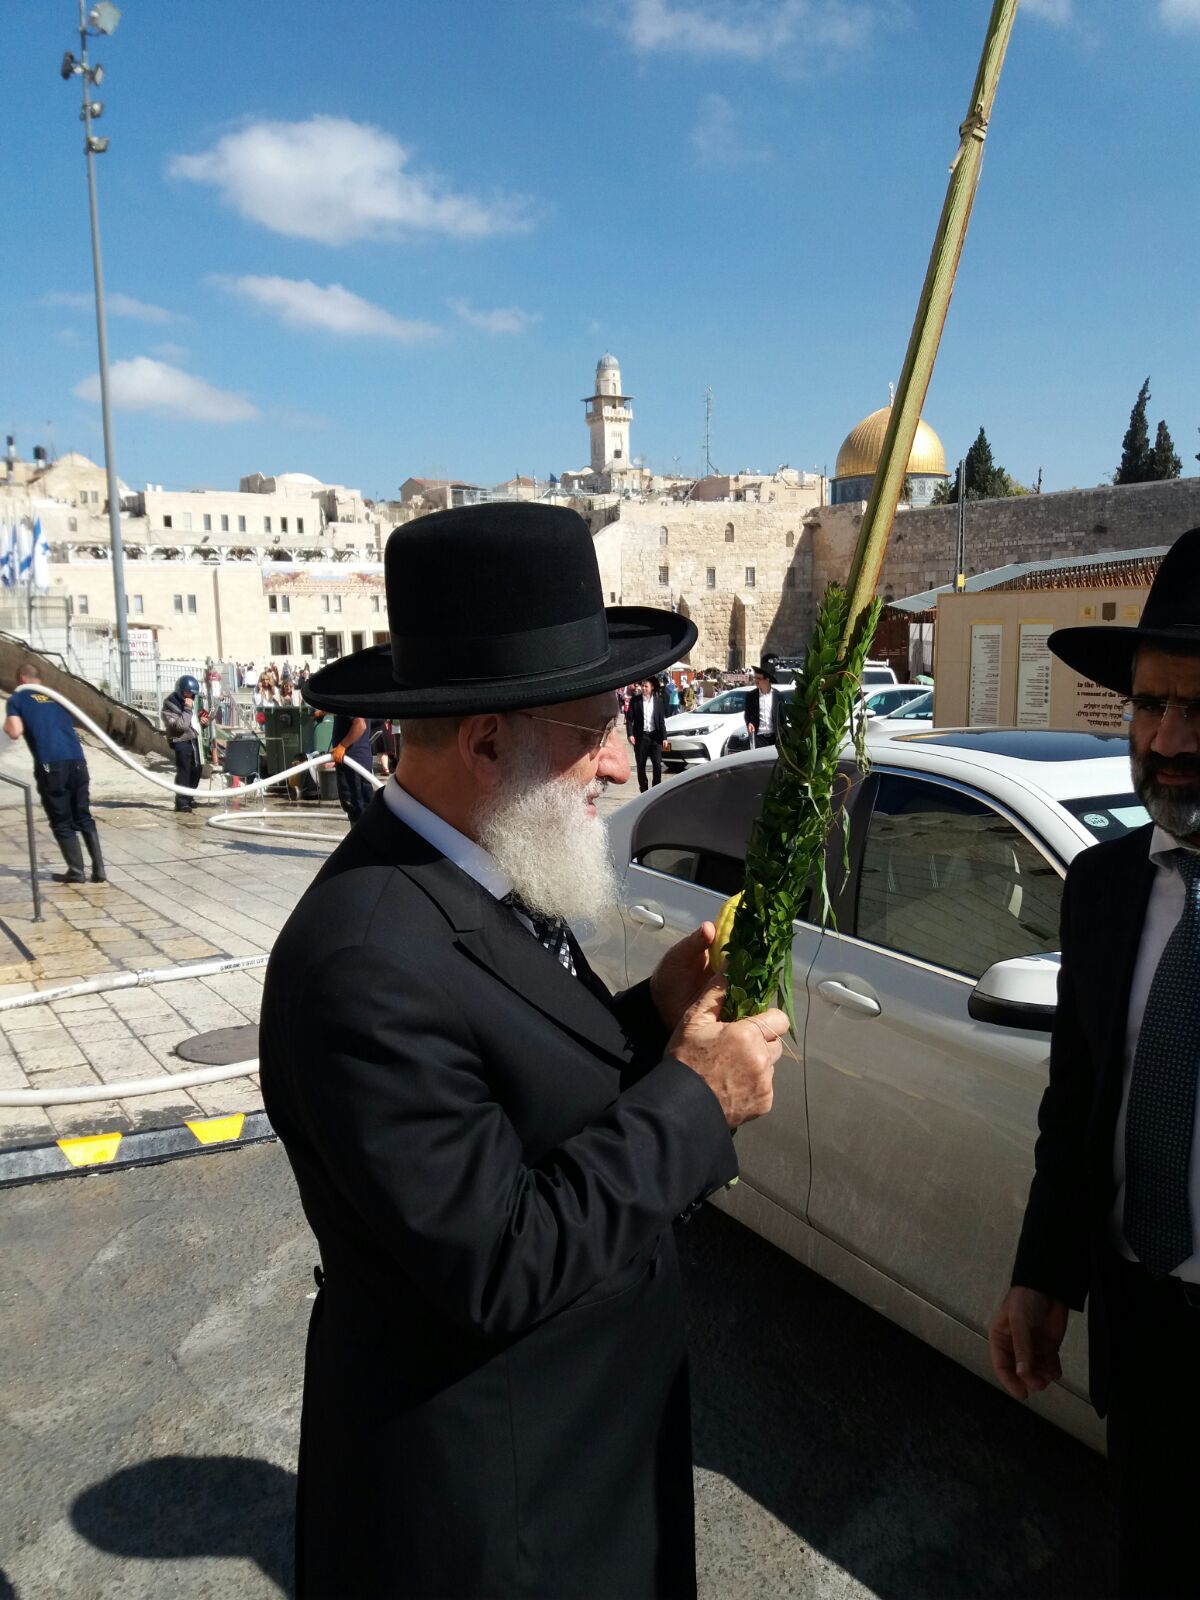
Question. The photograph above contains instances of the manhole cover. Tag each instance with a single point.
(221, 1047)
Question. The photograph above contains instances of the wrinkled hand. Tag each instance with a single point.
(1024, 1341)
(735, 1059)
(338, 753)
(681, 974)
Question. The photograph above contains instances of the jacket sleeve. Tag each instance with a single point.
(392, 1091)
(178, 724)
(1053, 1251)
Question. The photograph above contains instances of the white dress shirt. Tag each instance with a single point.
(455, 846)
(1163, 911)
(766, 706)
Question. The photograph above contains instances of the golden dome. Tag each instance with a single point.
(863, 445)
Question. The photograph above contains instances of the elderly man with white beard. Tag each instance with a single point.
(491, 1149)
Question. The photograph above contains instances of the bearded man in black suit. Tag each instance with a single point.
(1114, 1209)
(490, 1148)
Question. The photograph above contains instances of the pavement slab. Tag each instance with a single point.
(178, 892)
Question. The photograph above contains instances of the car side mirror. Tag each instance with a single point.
(1022, 993)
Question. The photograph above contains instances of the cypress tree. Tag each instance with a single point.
(1136, 454)
(1165, 462)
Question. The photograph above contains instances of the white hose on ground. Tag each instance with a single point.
(261, 824)
(129, 1088)
(144, 977)
(177, 788)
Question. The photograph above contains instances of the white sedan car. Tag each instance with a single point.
(897, 1159)
(700, 736)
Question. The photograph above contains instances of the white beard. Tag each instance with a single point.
(535, 828)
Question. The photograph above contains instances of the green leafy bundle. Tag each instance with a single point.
(787, 847)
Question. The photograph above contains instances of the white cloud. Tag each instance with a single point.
(716, 140)
(1052, 10)
(751, 30)
(303, 304)
(1179, 15)
(334, 180)
(118, 305)
(145, 385)
(505, 319)
(170, 351)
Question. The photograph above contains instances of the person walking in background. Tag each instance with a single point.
(646, 728)
(352, 737)
(61, 773)
(1114, 1209)
(183, 730)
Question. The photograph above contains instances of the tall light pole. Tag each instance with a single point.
(102, 19)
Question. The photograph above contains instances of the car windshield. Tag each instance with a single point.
(1108, 816)
(727, 704)
(919, 710)
(884, 702)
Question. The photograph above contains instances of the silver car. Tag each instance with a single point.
(897, 1159)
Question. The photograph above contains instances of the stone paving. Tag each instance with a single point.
(179, 891)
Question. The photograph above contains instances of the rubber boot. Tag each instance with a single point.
(92, 840)
(73, 856)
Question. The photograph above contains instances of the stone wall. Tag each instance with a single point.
(1074, 522)
(663, 555)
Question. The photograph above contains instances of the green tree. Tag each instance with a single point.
(1137, 458)
(983, 479)
(1163, 458)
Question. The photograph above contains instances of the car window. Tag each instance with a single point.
(1109, 816)
(713, 812)
(707, 869)
(725, 704)
(947, 879)
(917, 710)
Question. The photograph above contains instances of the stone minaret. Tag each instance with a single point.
(608, 417)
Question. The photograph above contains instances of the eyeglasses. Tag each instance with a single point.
(596, 739)
(1150, 708)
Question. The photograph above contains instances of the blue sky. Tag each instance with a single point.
(369, 241)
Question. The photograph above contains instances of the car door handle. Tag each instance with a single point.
(647, 917)
(839, 995)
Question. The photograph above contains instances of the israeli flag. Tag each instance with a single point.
(24, 550)
(41, 558)
(8, 569)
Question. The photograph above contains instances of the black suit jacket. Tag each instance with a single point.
(490, 1153)
(638, 723)
(753, 712)
(1065, 1235)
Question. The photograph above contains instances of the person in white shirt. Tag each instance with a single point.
(763, 706)
(1114, 1210)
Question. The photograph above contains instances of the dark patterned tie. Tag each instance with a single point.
(550, 932)
(1162, 1094)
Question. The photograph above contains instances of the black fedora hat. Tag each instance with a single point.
(1170, 620)
(492, 608)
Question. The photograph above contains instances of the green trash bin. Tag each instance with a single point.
(283, 738)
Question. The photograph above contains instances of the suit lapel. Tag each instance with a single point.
(491, 935)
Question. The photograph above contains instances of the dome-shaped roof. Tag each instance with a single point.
(606, 361)
(305, 478)
(863, 445)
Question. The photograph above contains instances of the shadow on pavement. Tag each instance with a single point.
(176, 1508)
(886, 1458)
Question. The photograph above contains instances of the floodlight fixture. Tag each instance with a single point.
(96, 109)
(96, 146)
(103, 18)
(96, 75)
(69, 67)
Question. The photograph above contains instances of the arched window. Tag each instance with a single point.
(729, 533)
(790, 538)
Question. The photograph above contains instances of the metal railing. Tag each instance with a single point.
(19, 783)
